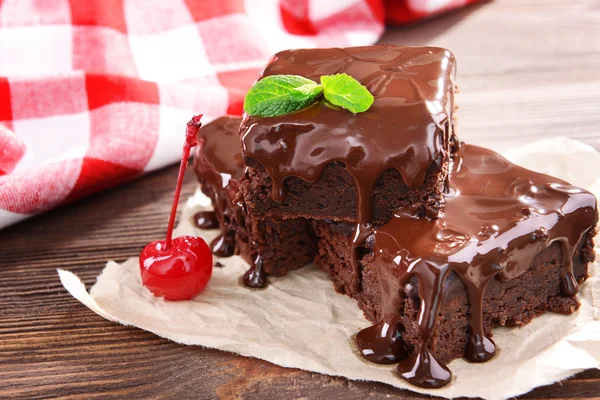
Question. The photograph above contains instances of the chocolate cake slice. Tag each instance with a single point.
(325, 163)
(510, 244)
(282, 244)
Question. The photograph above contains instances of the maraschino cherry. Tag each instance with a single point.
(178, 269)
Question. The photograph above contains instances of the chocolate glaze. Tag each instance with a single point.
(206, 220)
(219, 165)
(497, 218)
(407, 128)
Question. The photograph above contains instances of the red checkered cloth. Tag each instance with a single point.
(96, 92)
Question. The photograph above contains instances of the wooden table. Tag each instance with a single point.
(527, 69)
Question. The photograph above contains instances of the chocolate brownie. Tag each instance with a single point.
(282, 244)
(512, 303)
(510, 245)
(326, 163)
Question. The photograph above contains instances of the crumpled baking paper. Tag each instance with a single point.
(299, 321)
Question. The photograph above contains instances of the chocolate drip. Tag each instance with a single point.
(407, 127)
(382, 343)
(479, 348)
(568, 283)
(219, 165)
(206, 220)
(255, 277)
(424, 370)
(223, 245)
(497, 218)
(361, 232)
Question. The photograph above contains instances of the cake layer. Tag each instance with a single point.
(327, 163)
(334, 197)
(282, 245)
(512, 241)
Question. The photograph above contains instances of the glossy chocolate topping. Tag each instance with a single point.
(497, 218)
(219, 165)
(407, 128)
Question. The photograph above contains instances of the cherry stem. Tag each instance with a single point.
(190, 141)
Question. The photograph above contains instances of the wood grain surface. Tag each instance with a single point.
(527, 69)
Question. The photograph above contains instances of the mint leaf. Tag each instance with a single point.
(280, 94)
(344, 91)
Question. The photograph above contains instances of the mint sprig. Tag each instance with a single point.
(283, 94)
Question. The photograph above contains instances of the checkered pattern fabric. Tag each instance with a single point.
(96, 92)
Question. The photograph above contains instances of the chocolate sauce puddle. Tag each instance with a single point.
(497, 218)
(255, 277)
(424, 370)
(223, 245)
(206, 220)
(382, 343)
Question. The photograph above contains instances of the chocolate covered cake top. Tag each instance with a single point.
(406, 128)
(497, 218)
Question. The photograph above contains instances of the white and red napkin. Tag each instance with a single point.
(96, 92)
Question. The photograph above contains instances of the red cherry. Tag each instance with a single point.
(179, 272)
(178, 269)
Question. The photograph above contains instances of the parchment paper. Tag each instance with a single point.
(300, 321)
